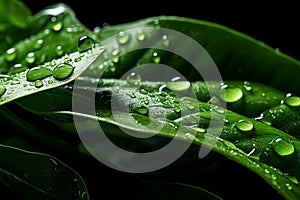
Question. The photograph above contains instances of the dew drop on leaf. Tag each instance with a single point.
(38, 83)
(156, 58)
(244, 125)
(232, 94)
(123, 37)
(85, 43)
(165, 39)
(11, 55)
(2, 90)
(63, 71)
(59, 50)
(38, 44)
(134, 79)
(282, 147)
(38, 73)
(141, 110)
(57, 26)
(178, 85)
(247, 86)
(200, 130)
(292, 101)
(141, 36)
(30, 57)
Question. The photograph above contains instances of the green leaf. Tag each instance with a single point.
(40, 177)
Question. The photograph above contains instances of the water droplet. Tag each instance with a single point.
(165, 39)
(18, 67)
(141, 36)
(232, 94)
(2, 90)
(85, 43)
(293, 179)
(292, 101)
(38, 44)
(143, 91)
(156, 58)
(243, 125)
(189, 136)
(11, 55)
(190, 106)
(200, 130)
(123, 37)
(59, 50)
(289, 186)
(38, 73)
(57, 26)
(63, 71)
(178, 85)
(282, 147)
(131, 95)
(141, 110)
(30, 57)
(247, 86)
(177, 110)
(156, 23)
(38, 83)
(134, 79)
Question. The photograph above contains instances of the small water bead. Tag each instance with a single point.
(232, 94)
(165, 39)
(11, 55)
(30, 57)
(247, 86)
(2, 90)
(123, 37)
(59, 50)
(244, 125)
(178, 85)
(156, 58)
(37, 73)
(289, 186)
(57, 26)
(190, 106)
(63, 71)
(282, 147)
(134, 79)
(141, 36)
(85, 43)
(189, 136)
(38, 44)
(156, 23)
(291, 100)
(177, 110)
(38, 83)
(18, 67)
(143, 91)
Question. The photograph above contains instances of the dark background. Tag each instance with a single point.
(275, 24)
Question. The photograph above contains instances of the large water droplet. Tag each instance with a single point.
(178, 85)
(232, 94)
(292, 101)
(123, 37)
(141, 110)
(11, 55)
(282, 147)
(62, 71)
(38, 73)
(2, 90)
(134, 79)
(244, 125)
(85, 43)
